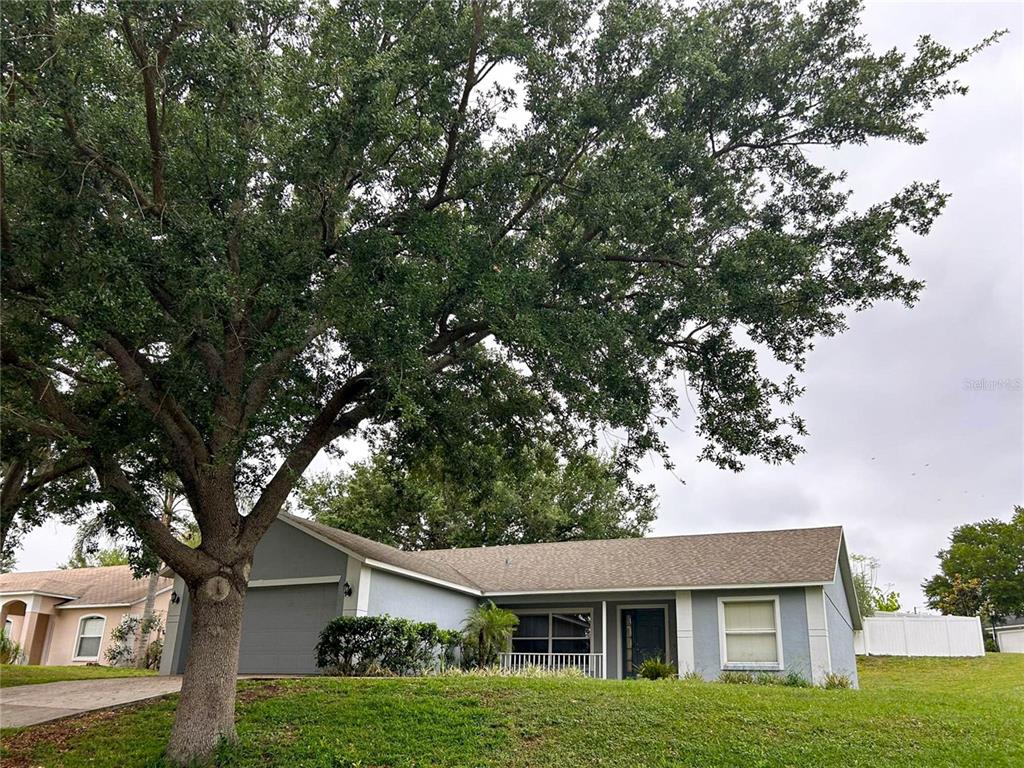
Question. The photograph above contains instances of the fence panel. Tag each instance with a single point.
(911, 635)
(1011, 640)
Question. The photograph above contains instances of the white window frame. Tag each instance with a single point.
(752, 665)
(78, 637)
(551, 613)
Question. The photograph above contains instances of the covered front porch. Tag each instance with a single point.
(603, 635)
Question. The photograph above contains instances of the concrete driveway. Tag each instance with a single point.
(23, 705)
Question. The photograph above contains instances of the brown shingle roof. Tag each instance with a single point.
(798, 556)
(795, 556)
(111, 585)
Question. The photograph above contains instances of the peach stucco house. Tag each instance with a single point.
(66, 617)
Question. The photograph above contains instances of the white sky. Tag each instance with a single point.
(916, 416)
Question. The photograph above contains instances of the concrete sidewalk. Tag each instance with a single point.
(23, 705)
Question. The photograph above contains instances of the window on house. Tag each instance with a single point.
(9, 627)
(90, 633)
(565, 632)
(750, 633)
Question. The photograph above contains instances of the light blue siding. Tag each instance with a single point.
(796, 651)
(840, 629)
(417, 600)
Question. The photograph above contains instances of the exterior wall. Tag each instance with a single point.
(63, 635)
(840, 630)
(283, 554)
(411, 599)
(707, 658)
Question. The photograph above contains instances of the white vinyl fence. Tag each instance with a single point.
(912, 635)
(1011, 640)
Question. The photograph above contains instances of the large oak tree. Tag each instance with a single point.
(237, 233)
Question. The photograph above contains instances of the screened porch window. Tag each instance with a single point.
(90, 633)
(750, 636)
(565, 632)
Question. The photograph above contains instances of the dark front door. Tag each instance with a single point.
(643, 637)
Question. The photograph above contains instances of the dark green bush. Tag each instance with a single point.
(360, 645)
(656, 669)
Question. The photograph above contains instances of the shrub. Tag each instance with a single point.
(796, 680)
(767, 678)
(991, 646)
(736, 678)
(834, 680)
(486, 632)
(380, 645)
(123, 639)
(10, 651)
(692, 677)
(656, 669)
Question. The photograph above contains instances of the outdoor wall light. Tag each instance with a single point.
(347, 589)
(174, 598)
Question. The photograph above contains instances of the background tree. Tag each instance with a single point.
(870, 597)
(981, 572)
(485, 499)
(98, 558)
(246, 231)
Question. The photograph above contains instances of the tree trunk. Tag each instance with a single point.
(206, 709)
(142, 639)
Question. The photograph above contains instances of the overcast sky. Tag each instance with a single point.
(916, 416)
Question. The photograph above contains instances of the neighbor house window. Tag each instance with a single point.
(750, 632)
(554, 632)
(90, 633)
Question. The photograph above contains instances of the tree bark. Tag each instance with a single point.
(142, 639)
(206, 709)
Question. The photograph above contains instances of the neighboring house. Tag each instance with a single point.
(66, 616)
(776, 601)
(1010, 636)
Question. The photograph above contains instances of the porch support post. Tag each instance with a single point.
(684, 631)
(817, 630)
(604, 640)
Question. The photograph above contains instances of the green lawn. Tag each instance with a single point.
(19, 674)
(909, 712)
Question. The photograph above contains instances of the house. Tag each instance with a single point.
(775, 601)
(66, 616)
(1010, 635)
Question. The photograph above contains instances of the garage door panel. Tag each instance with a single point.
(281, 625)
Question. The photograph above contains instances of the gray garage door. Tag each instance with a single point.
(281, 625)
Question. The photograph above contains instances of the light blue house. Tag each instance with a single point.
(776, 601)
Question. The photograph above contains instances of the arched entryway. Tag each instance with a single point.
(26, 625)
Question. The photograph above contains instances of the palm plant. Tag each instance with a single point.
(488, 630)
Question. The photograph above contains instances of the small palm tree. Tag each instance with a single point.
(488, 630)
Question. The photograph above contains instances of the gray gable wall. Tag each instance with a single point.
(840, 629)
(285, 552)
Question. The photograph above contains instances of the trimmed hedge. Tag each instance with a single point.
(382, 645)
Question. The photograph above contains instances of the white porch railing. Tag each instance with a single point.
(590, 664)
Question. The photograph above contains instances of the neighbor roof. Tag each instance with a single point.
(794, 556)
(110, 585)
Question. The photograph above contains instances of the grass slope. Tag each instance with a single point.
(19, 674)
(909, 712)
